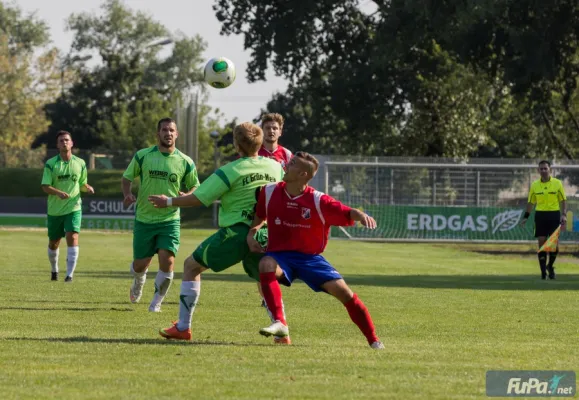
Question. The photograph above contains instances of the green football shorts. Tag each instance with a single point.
(58, 225)
(149, 238)
(227, 247)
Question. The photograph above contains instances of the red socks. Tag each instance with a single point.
(272, 295)
(356, 308)
(361, 317)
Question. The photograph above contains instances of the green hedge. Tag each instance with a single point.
(25, 182)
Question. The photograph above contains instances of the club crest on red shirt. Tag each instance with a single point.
(306, 214)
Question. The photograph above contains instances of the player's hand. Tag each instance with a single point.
(63, 195)
(89, 189)
(130, 199)
(368, 221)
(563, 220)
(182, 193)
(523, 222)
(254, 245)
(159, 201)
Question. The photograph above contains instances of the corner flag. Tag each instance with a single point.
(550, 245)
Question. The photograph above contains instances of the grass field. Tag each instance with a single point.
(446, 316)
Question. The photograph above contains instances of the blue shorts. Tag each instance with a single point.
(314, 270)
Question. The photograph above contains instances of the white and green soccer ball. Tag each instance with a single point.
(219, 72)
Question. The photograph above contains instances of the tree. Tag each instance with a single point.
(117, 103)
(211, 120)
(438, 78)
(27, 82)
(532, 47)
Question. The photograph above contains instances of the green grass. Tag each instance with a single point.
(446, 316)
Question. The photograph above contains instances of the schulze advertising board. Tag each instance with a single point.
(98, 213)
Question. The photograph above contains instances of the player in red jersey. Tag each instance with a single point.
(298, 222)
(272, 125)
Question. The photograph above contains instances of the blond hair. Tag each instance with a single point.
(272, 117)
(247, 138)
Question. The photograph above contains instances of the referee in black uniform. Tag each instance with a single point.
(549, 196)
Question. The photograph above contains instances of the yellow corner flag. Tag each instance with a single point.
(550, 245)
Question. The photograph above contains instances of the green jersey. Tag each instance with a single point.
(235, 184)
(67, 176)
(160, 173)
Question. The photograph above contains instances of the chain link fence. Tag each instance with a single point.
(437, 182)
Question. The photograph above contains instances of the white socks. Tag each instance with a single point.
(139, 276)
(53, 258)
(163, 281)
(71, 258)
(190, 291)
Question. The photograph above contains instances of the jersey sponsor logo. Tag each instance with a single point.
(306, 213)
(257, 177)
(292, 225)
(295, 206)
(67, 177)
(155, 174)
(278, 221)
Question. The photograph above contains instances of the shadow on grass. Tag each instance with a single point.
(119, 303)
(66, 309)
(209, 276)
(572, 258)
(160, 341)
(475, 282)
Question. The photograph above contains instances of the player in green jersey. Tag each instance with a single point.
(235, 184)
(160, 169)
(63, 179)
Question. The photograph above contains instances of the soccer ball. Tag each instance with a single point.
(219, 72)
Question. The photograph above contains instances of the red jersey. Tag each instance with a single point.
(300, 223)
(280, 154)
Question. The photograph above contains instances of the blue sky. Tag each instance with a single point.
(241, 100)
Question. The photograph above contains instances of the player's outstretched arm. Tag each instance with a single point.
(363, 218)
(162, 201)
(55, 192)
(253, 244)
